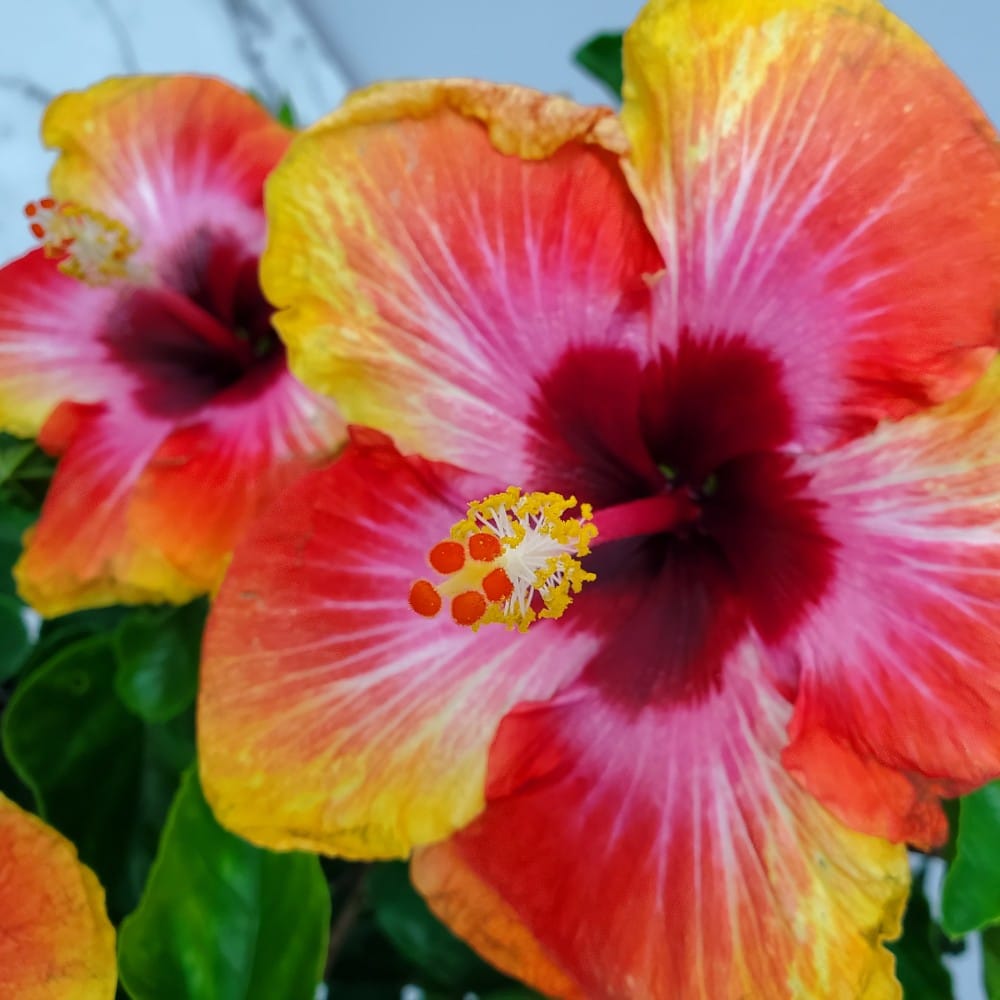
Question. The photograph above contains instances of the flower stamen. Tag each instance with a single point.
(92, 247)
(424, 599)
(513, 559)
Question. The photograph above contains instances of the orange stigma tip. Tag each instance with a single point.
(497, 585)
(468, 608)
(447, 557)
(424, 599)
(484, 547)
(34, 207)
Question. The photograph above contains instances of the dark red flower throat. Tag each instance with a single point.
(706, 530)
(202, 329)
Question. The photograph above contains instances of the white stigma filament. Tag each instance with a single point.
(535, 559)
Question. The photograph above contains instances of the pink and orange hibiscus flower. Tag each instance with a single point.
(136, 344)
(751, 322)
(747, 330)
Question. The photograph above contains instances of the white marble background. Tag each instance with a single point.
(313, 51)
(57, 45)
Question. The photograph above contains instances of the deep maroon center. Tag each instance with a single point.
(705, 428)
(201, 329)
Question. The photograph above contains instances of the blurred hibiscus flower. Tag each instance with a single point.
(136, 344)
(56, 942)
(751, 323)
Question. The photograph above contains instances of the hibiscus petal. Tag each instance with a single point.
(818, 181)
(81, 552)
(478, 913)
(437, 246)
(667, 853)
(899, 695)
(50, 343)
(207, 480)
(166, 156)
(332, 717)
(55, 937)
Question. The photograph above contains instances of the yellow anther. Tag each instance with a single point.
(93, 248)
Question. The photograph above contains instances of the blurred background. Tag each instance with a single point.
(313, 51)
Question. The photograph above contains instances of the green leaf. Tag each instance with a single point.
(15, 640)
(14, 521)
(991, 962)
(13, 453)
(406, 920)
(286, 113)
(157, 651)
(223, 920)
(512, 993)
(99, 774)
(918, 951)
(971, 897)
(601, 57)
(25, 471)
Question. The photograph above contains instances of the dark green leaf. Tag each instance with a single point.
(357, 938)
(918, 951)
(971, 898)
(602, 58)
(366, 991)
(14, 521)
(991, 962)
(12, 786)
(407, 921)
(15, 640)
(512, 993)
(98, 773)
(223, 920)
(157, 650)
(25, 471)
(59, 633)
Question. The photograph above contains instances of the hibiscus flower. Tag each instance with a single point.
(745, 332)
(136, 344)
(55, 937)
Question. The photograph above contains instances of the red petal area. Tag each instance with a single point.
(331, 715)
(818, 180)
(899, 700)
(82, 553)
(51, 346)
(431, 279)
(666, 853)
(207, 480)
(167, 156)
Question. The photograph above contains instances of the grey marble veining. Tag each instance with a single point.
(266, 45)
